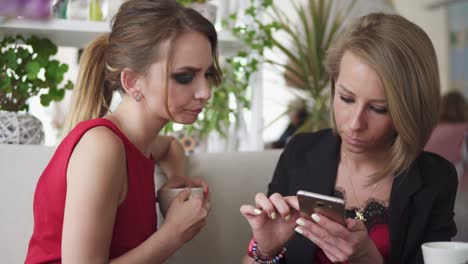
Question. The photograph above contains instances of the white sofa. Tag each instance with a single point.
(234, 179)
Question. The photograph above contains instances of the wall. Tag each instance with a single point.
(434, 22)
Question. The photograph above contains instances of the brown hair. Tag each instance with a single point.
(403, 56)
(138, 31)
(454, 108)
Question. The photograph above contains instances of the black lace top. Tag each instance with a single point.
(375, 211)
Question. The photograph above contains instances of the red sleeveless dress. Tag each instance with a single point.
(136, 218)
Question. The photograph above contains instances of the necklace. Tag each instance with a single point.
(360, 209)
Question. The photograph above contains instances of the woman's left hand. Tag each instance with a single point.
(340, 243)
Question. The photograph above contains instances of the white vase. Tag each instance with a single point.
(207, 10)
(20, 128)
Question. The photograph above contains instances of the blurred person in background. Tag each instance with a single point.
(449, 137)
(297, 113)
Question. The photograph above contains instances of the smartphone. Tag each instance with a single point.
(331, 207)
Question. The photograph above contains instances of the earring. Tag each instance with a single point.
(138, 98)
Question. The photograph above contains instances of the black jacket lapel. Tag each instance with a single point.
(404, 186)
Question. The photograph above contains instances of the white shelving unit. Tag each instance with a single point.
(76, 33)
(67, 33)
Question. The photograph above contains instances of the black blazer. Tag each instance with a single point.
(421, 200)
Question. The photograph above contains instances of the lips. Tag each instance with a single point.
(353, 141)
(196, 110)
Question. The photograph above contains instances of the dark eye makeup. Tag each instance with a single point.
(377, 109)
(186, 76)
(183, 77)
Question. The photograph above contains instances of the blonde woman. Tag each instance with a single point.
(95, 201)
(385, 103)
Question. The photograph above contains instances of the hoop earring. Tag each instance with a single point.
(138, 98)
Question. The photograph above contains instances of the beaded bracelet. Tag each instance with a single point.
(273, 260)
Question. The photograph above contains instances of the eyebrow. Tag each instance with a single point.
(192, 69)
(374, 100)
(188, 68)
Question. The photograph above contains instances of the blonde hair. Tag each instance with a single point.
(403, 56)
(138, 31)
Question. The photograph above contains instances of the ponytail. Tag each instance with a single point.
(91, 96)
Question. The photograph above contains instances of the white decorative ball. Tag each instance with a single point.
(20, 128)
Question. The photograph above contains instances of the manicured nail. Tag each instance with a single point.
(273, 215)
(258, 212)
(299, 230)
(300, 222)
(287, 218)
(315, 217)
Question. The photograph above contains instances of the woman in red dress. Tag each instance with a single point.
(95, 201)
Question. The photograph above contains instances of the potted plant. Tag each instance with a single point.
(208, 10)
(27, 70)
(305, 48)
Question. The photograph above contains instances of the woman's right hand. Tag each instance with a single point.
(186, 217)
(272, 221)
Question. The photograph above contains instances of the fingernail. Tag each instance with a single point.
(273, 215)
(258, 212)
(298, 230)
(315, 217)
(287, 218)
(300, 222)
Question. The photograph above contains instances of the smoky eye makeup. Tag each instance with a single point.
(184, 77)
(210, 73)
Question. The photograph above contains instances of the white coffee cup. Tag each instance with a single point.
(165, 196)
(445, 252)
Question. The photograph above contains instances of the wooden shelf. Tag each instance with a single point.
(77, 33)
(68, 33)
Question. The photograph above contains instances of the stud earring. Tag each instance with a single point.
(138, 98)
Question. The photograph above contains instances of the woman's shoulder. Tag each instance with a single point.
(312, 139)
(436, 169)
(433, 161)
(102, 140)
(306, 146)
(96, 135)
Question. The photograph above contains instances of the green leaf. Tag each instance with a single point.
(32, 69)
(224, 23)
(63, 68)
(23, 53)
(52, 71)
(23, 88)
(233, 16)
(68, 85)
(11, 59)
(45, 99)
(5, 81)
